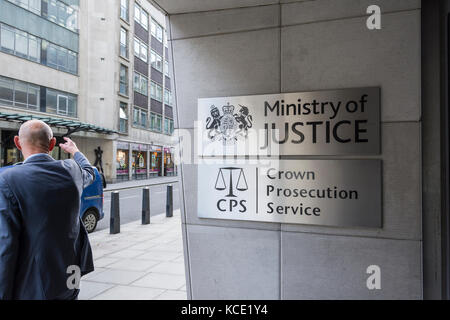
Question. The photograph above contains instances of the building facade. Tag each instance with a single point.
(128, 64)
(97, 70)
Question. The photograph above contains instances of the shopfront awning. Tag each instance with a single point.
(71, 126)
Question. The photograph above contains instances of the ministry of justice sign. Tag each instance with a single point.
(334, 122)
(315, 192)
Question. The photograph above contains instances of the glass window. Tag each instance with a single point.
(156, 61)
(25, 45)
(62, 14)
(136, 116)
(21, 44)
(140, 49)
(156, 91)
(6, 91)
(155, 122)
(52, 11)
(140, 84)
(63, 62)
(158, 123)
(72, 62)
(167, 97)
(124, 10)
(166, 68)
(7, 38)
(51, 101)
(20, 94)
(166, 44)
(57, 11)
(30, 5)
(34, 48)
(156, 30)
(33, 97)
(63, 104)
(140, 16)
(143, 118)
(144, 19)
(153, 28)
(144, 86)
(52, 60)
(123, 118)
(166, 126)
(61, 58)
(72, 107)
(140, 117)
(124, 42)
(123, 86)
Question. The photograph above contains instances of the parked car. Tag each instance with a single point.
(91, 206)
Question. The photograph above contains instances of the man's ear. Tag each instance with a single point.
(52, 144)
(17, 143)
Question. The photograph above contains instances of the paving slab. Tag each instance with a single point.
(142, 262)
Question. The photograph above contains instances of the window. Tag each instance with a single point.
(171, 129)
(61, 103)
(34, 48)
(156, 30)
(140, 117)
(124, 42)
(156, 61)
(72, 62)
(156, 91)
(166, 68)
(140, 84)
(26, 46)
(123, 118)
(140, 16)
(166, 43)
(6, 91)
(61, 58)
(7, 39)
(140, 49)
(166, 126)
(19, 94)
(30, 5)
(62, 14)
(167, 97)
(20, 43)
(156, 122)
(123, 79)
(124, 10)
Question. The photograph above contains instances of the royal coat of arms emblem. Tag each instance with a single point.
(228, 126)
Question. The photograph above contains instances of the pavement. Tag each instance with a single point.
(143, 262)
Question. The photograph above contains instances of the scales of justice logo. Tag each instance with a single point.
(221, 184)
(228, 126)
(231, 203)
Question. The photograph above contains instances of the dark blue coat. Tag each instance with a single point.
(41, 233)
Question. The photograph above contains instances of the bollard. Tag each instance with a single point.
(114, 221)
(146, 206)
(169, 202)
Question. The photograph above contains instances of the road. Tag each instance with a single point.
(131, 204)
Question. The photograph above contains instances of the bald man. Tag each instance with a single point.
(44, 248)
